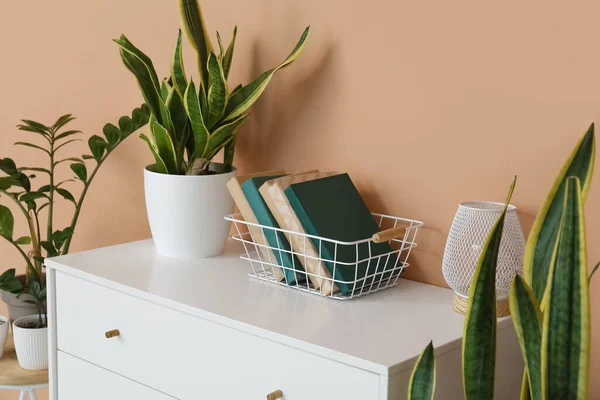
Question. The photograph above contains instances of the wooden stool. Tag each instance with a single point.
(13, 377)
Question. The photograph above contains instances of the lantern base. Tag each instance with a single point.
(460, 306)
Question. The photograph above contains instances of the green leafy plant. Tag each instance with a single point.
(31, 203)
(191, 123)
(550, 305)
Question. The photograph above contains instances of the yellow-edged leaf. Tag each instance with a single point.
(243, 99)
(479, 338)
(544, 233)
(566, 322)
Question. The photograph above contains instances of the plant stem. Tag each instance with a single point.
(86, 186)
(29, 264)
(36, 246)
(17, 202)
(51, 192)
(37, 224)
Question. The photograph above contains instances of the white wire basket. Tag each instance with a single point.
(312, 270)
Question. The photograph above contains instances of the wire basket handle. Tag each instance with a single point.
(388, 234)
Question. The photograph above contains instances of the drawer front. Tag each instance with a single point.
(78, 380)
(191, 358)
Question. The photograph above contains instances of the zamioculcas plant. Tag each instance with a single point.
(192, 122)
(16, 186)
(554, 333)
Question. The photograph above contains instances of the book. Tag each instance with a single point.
(235, 189)
(293, 271)
(273, 192)
(333, 208)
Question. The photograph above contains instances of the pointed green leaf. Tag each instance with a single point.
(97, 146)
(219, 138)
(36, 126)
(544, 233)
(139, 55)
(195, 29)
(33, 146)
(142, 68)
(479, 339)
(80, 170)
(9, 283)
(6, 182)
(228, 57)
(23, 240)
(192, 107)
(566, 324)
(59, 237)
(217, 91)
(525, 391)
(178, 114)
(49, 247)
(26, 128)
(150, 92)
(7, 223)
(62, 121)
(177, 69)
(594, 271)
(221, 50)
(164, 146)
(159, 163)
(8, 166)
(140, 118)
(66, 134)
(36, 169)
(126, 126)
(527, 318)
(67, 159)
(164, 90)
(111, 133)
(31, 196)
(66, 143)
(421, 385)
(244, 98)
(236, 89)
(66, 194)
(228, 153)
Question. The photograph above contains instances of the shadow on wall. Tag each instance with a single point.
(272, 129)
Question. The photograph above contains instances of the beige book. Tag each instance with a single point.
(235, 189)
(273, 192)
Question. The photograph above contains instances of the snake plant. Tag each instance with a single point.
(191, 122)
(33, 204)
(551, 318)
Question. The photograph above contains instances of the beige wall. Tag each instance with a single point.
(425, 104)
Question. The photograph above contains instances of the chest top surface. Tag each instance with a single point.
(381, 332)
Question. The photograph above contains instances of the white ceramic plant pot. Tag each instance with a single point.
(186, 213)
(31, 345)
(4, 324)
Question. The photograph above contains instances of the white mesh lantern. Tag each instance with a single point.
(471, 226)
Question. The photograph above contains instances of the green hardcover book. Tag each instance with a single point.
(294, 273)
(332, 208)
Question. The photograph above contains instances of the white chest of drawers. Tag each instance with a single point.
(205, 330)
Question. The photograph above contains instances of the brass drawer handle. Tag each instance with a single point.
(275, 395)
(113, 333)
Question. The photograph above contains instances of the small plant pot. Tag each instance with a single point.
(31, 343)
(4, 324)
(17, 307)
(186, 213)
